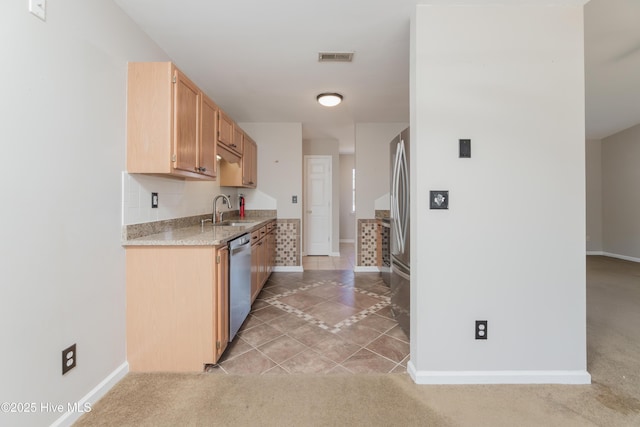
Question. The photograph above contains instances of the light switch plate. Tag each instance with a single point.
(439, 199)
(38, 8)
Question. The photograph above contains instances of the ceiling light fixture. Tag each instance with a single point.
(329, 99)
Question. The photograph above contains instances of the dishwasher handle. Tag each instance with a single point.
(239, 242)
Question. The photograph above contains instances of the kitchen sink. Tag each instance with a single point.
(235, 223)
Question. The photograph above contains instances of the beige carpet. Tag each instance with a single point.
(613, 331)
(267, 400)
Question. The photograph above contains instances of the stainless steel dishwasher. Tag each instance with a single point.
(239, 282)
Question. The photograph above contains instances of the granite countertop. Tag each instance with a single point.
(198, 235)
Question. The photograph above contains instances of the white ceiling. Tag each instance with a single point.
(258, 59)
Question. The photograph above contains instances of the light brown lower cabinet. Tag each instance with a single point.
(263, 250)
(221, 302)
(177, 307)
(271, 247)
(255, 263)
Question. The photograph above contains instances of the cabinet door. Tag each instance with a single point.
(249, 162)
(271, 252)
(254, 165)
(255, 260)
(221, 302)
(262, 271)
(208, 141)
(225, 129)
(238, 139)
(185, 116)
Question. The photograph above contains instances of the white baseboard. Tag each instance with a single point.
(595, 253)
(347, 241)
(498, 377)
(365, 269)
(624, 257)
(68, 418)
(288, 269)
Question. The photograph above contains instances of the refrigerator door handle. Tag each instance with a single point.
(407, 196)
(402, 193)
(395, 209)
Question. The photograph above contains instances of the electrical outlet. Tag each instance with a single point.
(154, 200)
(294, 199)
(69, 357)
(481, 329)
(465, 148)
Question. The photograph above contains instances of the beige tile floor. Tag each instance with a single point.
(325, 320)
(346, 260)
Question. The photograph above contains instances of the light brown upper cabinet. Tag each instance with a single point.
(244, 171)
(229, 144)
(250, 163)
(171, 124)
(238, 138)
(208, 144)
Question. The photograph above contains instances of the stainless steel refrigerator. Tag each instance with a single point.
(400, 230)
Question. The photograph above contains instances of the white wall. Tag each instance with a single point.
(593, 156)
(511, 247)
(279, 167)
(328, 147)
(372, 164)
(620, 195)
(347, 217)
(63, 127)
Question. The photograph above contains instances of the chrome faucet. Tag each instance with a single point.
(225, 200)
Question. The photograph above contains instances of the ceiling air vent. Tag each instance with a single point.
(335, 56)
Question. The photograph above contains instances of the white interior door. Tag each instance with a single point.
(318, 205)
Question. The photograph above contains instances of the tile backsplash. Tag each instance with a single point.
(176, 198)
(288, 242)
(367, 242)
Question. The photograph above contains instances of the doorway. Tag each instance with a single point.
(317, 205)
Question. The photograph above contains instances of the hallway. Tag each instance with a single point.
(346, 260)
(324, 320)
